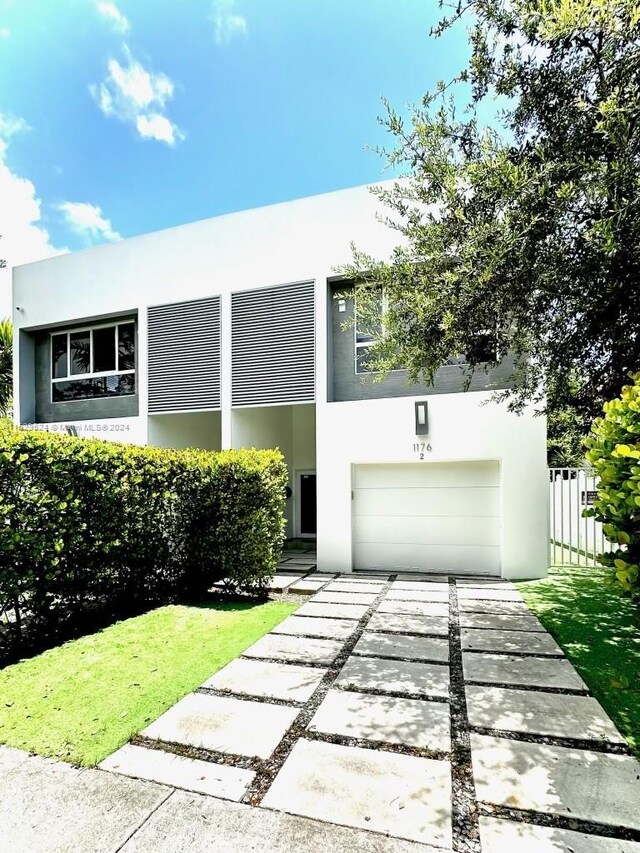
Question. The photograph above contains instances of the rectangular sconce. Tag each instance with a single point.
(422, 418)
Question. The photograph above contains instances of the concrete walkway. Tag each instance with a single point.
(390, 714)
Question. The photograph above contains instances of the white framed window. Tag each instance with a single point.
(93, 362)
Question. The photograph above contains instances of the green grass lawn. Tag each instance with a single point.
(81, 701)
(599, 629)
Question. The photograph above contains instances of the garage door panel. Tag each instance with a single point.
(415, 501)
(429, 474)
(468, 559)
(443, 530)
(427, 517)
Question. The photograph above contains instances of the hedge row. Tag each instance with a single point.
(91, 526)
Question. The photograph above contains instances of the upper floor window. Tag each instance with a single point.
(94, 362)
(367, 328)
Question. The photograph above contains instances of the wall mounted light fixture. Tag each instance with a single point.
(422, 418)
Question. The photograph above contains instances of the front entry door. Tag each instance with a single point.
(307, 503)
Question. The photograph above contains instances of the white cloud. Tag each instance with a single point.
(10, 125)
(88, 221)
(139, 97)
(24, 238)
(114, 16)
(5, 32)
(156, 126)
(226, 23)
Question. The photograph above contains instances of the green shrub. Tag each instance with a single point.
(614, 453)
(88, 526)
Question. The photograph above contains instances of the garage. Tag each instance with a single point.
(435, 517)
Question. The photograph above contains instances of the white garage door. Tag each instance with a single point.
(442, 517)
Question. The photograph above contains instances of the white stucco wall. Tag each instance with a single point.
(303, 438)
(301, 240)
(462, 427)
(193, 429)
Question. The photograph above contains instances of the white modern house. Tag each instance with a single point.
(227, 333)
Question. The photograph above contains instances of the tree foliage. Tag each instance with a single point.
(614, 453)
(523, 237)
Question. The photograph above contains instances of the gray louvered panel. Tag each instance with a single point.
(273, 345)
(184, 356)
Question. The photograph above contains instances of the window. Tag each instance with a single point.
(93, 363)
(366, 333)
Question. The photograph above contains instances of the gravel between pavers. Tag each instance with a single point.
(465, 807)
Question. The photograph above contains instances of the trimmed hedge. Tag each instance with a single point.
(89, 526)
(613, 450)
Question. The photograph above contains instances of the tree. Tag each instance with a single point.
(614, 453)
(6, 367)
(523, 237)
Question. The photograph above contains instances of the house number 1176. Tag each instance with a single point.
(420, 447)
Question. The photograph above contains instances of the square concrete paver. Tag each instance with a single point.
(402, 646)
(287, 648)
(399, 795)
(488, 593)
(488, 640)
(202, 777)
(267, 679)
(311, 626)
(441, 595)
(534, 712)
(574, 783)
(415, 608)
(370, 580)
(325, 597)
(361, 587)
(278, 583)
(222, 724)
(395, 676)
(332, 611)
(501, 836)
(405, 623)
(496, 620)
(307, 586)
(526, 672)
(412, 722)
(472, 605)
(416, 586)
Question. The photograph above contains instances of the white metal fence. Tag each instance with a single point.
(575, 540)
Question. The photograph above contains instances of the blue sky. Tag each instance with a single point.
(118, 118)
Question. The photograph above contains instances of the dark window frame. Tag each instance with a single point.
(90, 373)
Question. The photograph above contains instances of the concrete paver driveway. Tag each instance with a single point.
(389, 715)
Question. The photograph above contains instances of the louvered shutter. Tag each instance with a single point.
(184, 356)
(273, 345)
